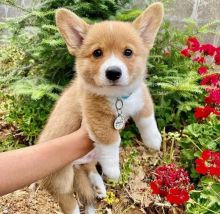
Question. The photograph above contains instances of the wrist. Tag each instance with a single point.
(84, 142)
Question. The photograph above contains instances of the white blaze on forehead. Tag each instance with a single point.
(114, 61)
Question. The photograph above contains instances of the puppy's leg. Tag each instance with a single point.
(95, 179)
(99, 120)
(60, 185)
(108, 157)
(68, 204)
(146, 123)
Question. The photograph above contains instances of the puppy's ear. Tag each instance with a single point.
(148, 23)
(72, 28)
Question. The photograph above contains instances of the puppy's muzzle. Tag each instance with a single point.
(113, 73)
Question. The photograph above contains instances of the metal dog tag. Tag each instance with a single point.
(119, 122)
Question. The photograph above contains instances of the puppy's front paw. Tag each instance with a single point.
(108, 157)
(98, 185)
(100, 192)
(111, 171)
(152, 139)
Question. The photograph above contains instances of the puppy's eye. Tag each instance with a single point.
(97, 53)
(128, 52)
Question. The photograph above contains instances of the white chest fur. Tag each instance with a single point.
(131, 105)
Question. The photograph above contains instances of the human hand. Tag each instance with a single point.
(90, 156)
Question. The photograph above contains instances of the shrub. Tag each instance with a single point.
(172, 79)
(36, 35)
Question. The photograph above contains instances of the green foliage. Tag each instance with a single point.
(197, 137)
(28, 115)
(208, 28)
(206, 199)
(128, 15)
(128, 135)
(173, 79)
(36, 36)
(10, 143)
(36, 88)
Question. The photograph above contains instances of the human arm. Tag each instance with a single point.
(24, 166)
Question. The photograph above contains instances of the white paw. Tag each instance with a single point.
(111, 171)
(90, 210)
(152, 139)
(149, 132)
(98, 185)
(76, 210)
(108, 157)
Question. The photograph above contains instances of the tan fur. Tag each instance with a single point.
(77, 100)
(126, 37)
(99, 117)
(67, 203)
(82, 186)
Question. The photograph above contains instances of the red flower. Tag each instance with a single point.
(171, 182)
(206, 154)
(211, 79)
(208, 163)
(217, 113)
(193, 44)
(217, 58)
(155, 187)
(214, 171)
(201, 167)
(214, 96)
(200, 59)
(203, 112)
(202, 70)
(185, 52)
(208, 49)
(177, 196)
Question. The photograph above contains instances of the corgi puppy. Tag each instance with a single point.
(108, 89)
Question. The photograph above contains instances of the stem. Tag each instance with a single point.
(164, 143)
(12, 4)
(214, 191)
(171, 150)
(193, 142)
(218, 138)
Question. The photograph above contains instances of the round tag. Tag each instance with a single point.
(119, 122)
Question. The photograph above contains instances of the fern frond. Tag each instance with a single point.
(35, 88)
(207, 26)
(49, 27)
(191, 22)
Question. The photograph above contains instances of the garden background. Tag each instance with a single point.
(183, 78)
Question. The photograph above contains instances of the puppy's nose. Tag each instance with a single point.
(113, 73)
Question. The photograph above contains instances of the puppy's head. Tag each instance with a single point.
(111, 55)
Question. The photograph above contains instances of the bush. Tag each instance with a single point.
(36, 35)
(172, 79)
